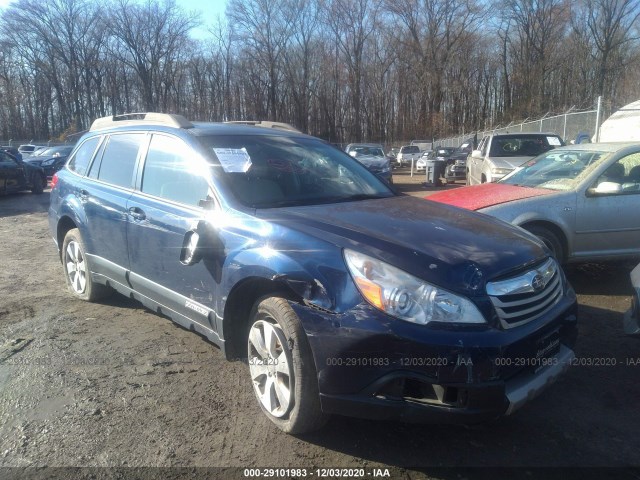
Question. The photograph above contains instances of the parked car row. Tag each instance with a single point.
(29, 167)
(17, 175)
(51, 159)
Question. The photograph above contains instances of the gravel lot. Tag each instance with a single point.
(113, 384)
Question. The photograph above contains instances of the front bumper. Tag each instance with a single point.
(482, 402)
(373, 366)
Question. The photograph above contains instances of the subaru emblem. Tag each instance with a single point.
(537, 283)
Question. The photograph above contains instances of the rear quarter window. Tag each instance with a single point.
(81, 159)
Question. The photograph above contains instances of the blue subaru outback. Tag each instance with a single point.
(343, 296)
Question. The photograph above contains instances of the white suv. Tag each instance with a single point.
(408, 153)
(499, 154)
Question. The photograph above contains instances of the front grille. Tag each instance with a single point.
(528, 296)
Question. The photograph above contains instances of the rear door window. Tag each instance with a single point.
(170, 172)
(119, 159)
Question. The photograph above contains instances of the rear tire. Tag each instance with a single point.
(551, 240)
(77, 270)
(282, 368)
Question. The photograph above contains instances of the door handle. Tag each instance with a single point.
(137, 213)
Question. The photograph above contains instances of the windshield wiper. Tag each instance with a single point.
(361, 196)
(318, 201)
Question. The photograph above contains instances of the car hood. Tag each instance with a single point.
(447, 246)
(459, 155)
(477, 197)
(34, 161)
(370, 161)
(58, 159)
(509, 162)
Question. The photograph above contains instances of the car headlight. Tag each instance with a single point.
(500, 171)
(406, 297)
(48, 162)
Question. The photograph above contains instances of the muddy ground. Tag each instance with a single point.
(112, 384)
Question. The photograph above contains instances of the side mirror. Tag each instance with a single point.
(476, 154)
(190, 254)
(605, 188)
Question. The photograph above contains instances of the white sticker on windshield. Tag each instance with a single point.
(233, 160)
(555, 141)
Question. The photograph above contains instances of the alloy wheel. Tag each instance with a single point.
(271, 367)
(76, 267)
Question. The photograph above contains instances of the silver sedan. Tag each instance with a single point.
(582, 201)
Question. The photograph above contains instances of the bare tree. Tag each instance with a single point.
(433, 31)
(610, 24)
(300, 56)
(536, 29)
(352, 23)
(377, 70)
(264, 26)
(147, 36)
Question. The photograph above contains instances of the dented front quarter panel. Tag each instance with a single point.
(312, 268)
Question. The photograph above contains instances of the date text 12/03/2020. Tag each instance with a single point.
(537, 361)
(316, 472)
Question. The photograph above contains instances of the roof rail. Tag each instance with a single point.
(169, 119)
(266, 124)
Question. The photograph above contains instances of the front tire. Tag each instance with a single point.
(282, 368)
(77, 271)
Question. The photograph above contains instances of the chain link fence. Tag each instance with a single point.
(570, 126)
(39, 143)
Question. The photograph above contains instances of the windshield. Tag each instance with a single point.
(557, 170)
(60, 151)
(371, 151)
(410, 149)
(464, 148)
(270, 171)
(445, 152)
(524, 146)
